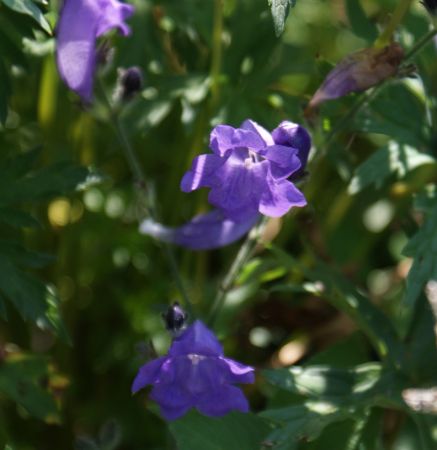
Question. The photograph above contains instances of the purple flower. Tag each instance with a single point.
(247, 173)
(81, 22)
(195, 374)
(357, 72)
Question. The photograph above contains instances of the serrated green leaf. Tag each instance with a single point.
(360, 23)
(20, 380)
(4, 92)
(394, 159)
(280, 10)
(235, 431)
(29, 8)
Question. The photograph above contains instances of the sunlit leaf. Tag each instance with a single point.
(394, 159)
(29, 8)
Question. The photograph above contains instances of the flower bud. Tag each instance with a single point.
(129, 83)
(359, 71)
(175, 319)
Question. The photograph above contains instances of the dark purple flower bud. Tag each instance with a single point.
(357, 72)
(129, 83)
(80, 23)
(294, 135)
(431, 6)
(195, 374)
(175, 319)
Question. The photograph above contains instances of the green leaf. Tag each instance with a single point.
(394, 159)
(29, 8)
(21, 380)
(332, 395)
(360, 23)
(423, 248)
(17, 218)
(19, 183)
(33, 299)
(235, 431)
(331, 384)
(392, 112)
(343, 295)
(303, 422)
(280, 10)
(19, 255)
(4, 92)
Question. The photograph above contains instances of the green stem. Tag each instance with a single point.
(216, 58)
(141, 181)
(243, 255)
(397, 17)
(420, 44)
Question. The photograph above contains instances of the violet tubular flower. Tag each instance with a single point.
(80, 23)
(247, 173)
(195, 374)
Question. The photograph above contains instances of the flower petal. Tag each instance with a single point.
(284, 160)
(196, 339)
(202, 172)
(147, 374)
(279, 198)
(259, 130)
(224, 138)
(240, 191)
(222, 400)
(293, 135)
(237, 372)
(204, 232)
(173, 400)
(113, 15)
(75, 53)
(80, 23)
